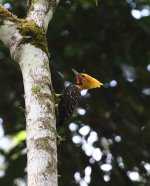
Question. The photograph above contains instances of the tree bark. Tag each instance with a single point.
(30, 51)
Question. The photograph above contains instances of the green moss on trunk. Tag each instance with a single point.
(33, 34)
(36, 89)
(29, 29)
(6, 15)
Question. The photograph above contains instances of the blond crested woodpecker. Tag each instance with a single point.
(71, 95)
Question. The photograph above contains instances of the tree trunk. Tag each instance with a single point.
(30, 51)
(40, 118)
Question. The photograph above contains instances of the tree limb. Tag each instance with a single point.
(41, 11)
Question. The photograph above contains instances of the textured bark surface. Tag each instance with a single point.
(40, 113)
(40, 117)
(41, 12)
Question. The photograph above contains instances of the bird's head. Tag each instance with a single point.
(84, 81)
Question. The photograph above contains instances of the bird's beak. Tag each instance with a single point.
(76, 73)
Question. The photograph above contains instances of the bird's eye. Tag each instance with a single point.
(83, 75)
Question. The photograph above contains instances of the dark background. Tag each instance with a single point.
(110, 44)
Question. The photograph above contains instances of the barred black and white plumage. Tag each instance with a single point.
(67, 104)
(71, 95)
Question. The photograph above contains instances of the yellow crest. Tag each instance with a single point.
(88, 82)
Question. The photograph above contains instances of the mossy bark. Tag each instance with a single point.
(26, 39)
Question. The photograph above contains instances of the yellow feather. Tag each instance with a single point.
(89, 82)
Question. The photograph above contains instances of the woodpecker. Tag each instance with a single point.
(70, 96)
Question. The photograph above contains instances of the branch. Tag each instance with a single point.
(41, 11)
(15, 31)
(9, 34)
